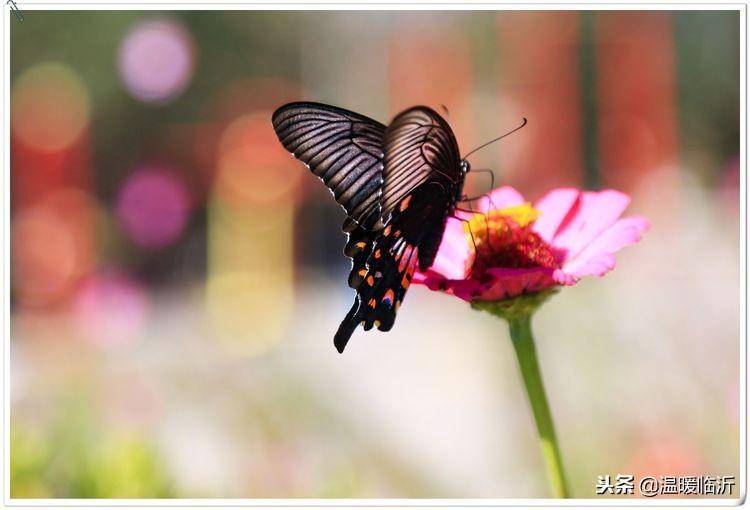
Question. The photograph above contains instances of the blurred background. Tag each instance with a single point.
(177, 277)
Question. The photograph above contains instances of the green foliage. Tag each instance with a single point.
(74, 459)
(520, 306)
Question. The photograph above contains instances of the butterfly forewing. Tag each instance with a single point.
(343, 148)
(419, 146)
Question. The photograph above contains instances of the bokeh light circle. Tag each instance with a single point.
(111, 309)
(252, 167)
(152, 207)
(156, 61)
(50, 106)
(52, 246)
(41, 273)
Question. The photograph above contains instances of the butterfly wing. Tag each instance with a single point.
(421, 180)
(343, 148)
(358, 248)
(419, 147)
(416, 223)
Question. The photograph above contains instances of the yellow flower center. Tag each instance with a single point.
(522, 215)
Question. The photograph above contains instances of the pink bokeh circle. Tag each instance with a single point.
(153, 207)
(156, 60)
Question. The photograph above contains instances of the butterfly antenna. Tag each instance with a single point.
(523, 123)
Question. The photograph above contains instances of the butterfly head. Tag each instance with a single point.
(465, 167)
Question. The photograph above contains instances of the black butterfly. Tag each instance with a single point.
(398, 185)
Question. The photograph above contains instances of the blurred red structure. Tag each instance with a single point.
(53, 243)
(539, 80)
(430, 66)
(635, 74)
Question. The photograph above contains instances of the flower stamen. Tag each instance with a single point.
(507, 240)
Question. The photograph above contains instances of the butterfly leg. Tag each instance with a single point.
(488, 195)
(471, 234)
(486, 224)
(489, 171)
(492, 205)
(473, 212)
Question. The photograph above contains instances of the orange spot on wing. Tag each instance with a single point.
(362, 272)
(404, 203)
(388, 296)
(377, 254)
(370, 281)
(372, 303)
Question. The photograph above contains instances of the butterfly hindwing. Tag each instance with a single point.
(415, 227)
(380, 292)
(358, 248)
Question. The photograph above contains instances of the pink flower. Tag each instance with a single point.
(509, 248)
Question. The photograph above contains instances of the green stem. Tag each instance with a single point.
(523, 342)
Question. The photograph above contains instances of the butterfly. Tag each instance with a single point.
(398, 184)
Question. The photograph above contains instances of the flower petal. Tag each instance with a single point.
(500, 198)
(592, 214)
(582, 229)
(507, 282)
(553, 208)
(464, 289)
(454, 253)
(598, 257)
(429, 278)
(564, 278)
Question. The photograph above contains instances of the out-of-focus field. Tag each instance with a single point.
(177, 277)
